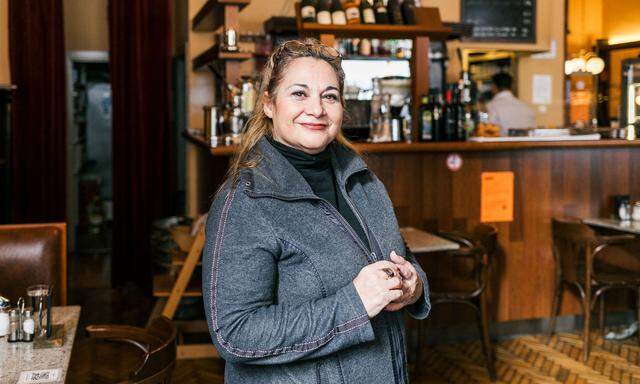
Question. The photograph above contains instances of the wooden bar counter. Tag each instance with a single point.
(552, 179)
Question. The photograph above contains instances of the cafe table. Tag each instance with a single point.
(423, 242)
(20, 361)
(628, 226)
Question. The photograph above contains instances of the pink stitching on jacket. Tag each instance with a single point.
(260, 353)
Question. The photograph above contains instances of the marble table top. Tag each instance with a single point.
(619, 225)
(420, 241)
(19, 357)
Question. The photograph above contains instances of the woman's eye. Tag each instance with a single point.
(331, 97)
(298, 94)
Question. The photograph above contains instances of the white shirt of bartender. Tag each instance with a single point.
(507, 112)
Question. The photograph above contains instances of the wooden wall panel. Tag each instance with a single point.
(560, 182)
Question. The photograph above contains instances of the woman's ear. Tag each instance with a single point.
(267, 106)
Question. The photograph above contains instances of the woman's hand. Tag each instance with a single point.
(411, 284)
(376, 287)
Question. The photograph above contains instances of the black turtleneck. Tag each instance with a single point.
(317, 170)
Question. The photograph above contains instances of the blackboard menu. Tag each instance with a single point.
(501, 20)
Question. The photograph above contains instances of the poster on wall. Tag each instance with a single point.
(496, 197)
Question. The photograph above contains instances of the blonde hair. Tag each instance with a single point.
(259, 124)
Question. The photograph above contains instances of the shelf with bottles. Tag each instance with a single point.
(427, 23)
(211, 16)
(214, 53)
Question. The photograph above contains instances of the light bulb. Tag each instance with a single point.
(579, 64)
(595, 65)
(568, 67)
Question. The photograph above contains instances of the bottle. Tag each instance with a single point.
(395, 12)
(380, 10)
(438, 117)
(409, 12)
(426, 119)
(365, 47)
(376, 102)
(323, 12)
(450, 118)
(366, 12)
(338, 16)
(461, 133)
(352, 12)
(308, 11)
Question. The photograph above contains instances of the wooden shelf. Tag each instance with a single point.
(215, 54)
(163, 284)
(375, 31)
(211, 16)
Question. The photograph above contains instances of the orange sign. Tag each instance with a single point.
(496, 199)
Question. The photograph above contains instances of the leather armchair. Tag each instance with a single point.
(33, 254)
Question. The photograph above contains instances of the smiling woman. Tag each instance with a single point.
(303, 280)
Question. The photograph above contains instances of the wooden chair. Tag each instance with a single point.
(33, 254)
(478, 247)
(157, 342)
(581, 262)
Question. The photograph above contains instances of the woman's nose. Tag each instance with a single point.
(314, 106)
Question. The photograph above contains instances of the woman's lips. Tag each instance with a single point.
(315, 126)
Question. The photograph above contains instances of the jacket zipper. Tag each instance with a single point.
(357, 214)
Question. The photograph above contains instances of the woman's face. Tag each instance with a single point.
(306, 109)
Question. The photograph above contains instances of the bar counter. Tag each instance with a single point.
(551, 179)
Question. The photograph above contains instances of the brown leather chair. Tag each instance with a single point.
(590, 264)
(33, 254)
(157, 342)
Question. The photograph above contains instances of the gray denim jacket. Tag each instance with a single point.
(278, 270)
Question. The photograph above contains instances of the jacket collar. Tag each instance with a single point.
(275, 176)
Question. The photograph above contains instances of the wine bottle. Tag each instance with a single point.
(450, 118)
(308, 11)
(323, 12)
(338, 16)
(409, 12)
(366, 12)
(426, 119)
(395, 12)
(352, 12)
(380, 10)
(438, 117)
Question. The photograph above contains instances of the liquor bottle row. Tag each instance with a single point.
(358, 11)
(449, 117)
(399, 49)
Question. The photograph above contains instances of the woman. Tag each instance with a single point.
(302, 280)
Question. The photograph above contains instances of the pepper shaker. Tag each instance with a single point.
(15, 326)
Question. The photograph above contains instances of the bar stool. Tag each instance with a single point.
(585, 262)
(479, 247)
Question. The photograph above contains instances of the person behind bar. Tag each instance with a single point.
(305, 275)
(505, 110)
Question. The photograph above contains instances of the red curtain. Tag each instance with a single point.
(143, 169)
(36, 50)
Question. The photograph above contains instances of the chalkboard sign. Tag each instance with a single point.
(501, 20)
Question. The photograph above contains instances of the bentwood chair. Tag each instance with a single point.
(477, 249)
(33, 254)
(587, 263)
(157, 343)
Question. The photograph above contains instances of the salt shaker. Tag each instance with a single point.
(28, 325)
(5, 305)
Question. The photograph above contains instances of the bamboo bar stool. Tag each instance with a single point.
(584, 261)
